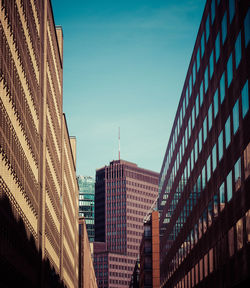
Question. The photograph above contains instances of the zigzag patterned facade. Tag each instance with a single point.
(37, 165)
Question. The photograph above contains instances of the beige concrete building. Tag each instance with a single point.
(87, 278)
(37, 161)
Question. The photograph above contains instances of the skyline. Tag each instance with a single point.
(129, 61)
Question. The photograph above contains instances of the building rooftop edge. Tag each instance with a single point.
(131, 164)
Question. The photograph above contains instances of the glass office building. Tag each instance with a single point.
(87, 203)
(204, 185)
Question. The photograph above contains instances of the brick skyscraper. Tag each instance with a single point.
(124, 193)
(38, 187)
(205, 177)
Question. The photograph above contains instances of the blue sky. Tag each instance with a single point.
(125, 63)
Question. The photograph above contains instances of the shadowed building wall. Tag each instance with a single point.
(87, 276)
(204, 181)
(37, 168)
(150, 253)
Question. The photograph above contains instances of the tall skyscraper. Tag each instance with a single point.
(123, 195)
(87, 203)
(38, 187)
(205, 177)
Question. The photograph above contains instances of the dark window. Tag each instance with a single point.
(229, 187)
(231, 9)
(216, 103)
(224, 28)
(217, 47)
(238, 50)
(229, 70)
(227, 132)
(236, 117)
(245, 100)
(201, 93)
(212, 11)
(202, 45)
(207, 28)
(222, 87)
(214, 155)
(247, 28)
(211, 61)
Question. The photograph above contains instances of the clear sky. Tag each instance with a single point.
(125, 62)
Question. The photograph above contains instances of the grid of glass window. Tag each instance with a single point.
(210, 165)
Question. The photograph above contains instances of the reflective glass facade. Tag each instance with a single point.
(87, 203)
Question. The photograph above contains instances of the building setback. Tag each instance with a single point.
(38, 187)
(204, 181)
(87, 203)
(123, 195)
(149, 275)
(87, 276)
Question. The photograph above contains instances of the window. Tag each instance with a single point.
(247, 28)
(238, 50)
(186, 137)
(190, 86)
(208, 168)
(212, 11)
(210, 213)
(229, 70)
(206, 79)
(210, 117)
(222, 87)
(239, 230)
(216, 104)
(196, 150)
(189, 126)
(193, 117)
(204, 177)
(207, 28)
(199, 186)
(192, 160)
(229, 187)
(227, 132)
(205, 129)
(194, 74)
(187, 97)
(202, 45)
(231, 241)
(231, 9)
(201, 94)
(204, 221)
(214, 156)
(211, 63)
(236, 116)
(200, 140)
(198, 59)
(183, 107)
(197, 105)
(216, 202)
(248, 225)
(222, 196)
(224, 28)
(245, 100)
(217, 47)
(220, 145)
(237, 174)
